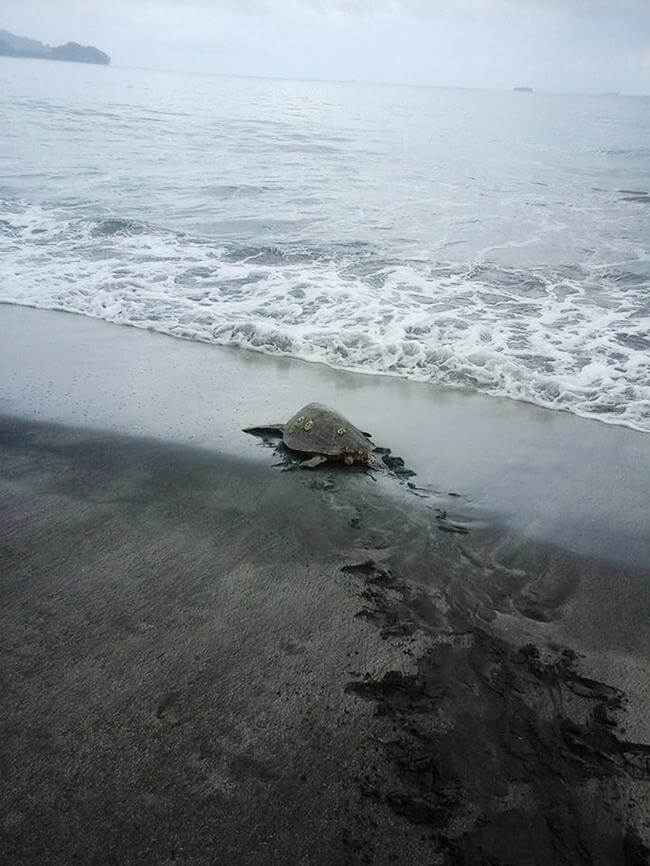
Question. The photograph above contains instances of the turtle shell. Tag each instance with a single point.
(317, 429)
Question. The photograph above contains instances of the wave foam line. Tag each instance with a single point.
(575, 339)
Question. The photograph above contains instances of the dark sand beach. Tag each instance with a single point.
(210, 657)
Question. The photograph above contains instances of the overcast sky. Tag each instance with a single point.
(564, 45)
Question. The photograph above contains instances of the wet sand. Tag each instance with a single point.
(209, 659)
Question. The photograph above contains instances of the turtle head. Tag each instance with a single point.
(364, 457)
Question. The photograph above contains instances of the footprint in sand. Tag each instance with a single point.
(169, 710)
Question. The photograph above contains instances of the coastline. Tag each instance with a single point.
(211, 657)
(550, 475)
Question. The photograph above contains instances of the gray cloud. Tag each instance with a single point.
(550, 44)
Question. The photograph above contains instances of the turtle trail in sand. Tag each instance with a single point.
(317, 434)
(321, 432)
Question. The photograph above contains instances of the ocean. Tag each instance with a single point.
(493, 241)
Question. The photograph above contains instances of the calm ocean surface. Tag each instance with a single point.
(484, 240)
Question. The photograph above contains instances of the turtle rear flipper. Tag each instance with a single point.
(265, 430)
(314, 461)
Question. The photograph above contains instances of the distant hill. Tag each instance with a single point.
(20, 46)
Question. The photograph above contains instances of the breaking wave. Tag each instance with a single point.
(569, 338)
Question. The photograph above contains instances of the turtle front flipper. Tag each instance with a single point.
(314, 461)
(265, 430)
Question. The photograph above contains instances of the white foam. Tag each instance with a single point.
(576, 339)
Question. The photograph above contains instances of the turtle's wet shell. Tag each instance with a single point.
(317, 429)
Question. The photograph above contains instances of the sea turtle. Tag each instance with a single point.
(323, 433)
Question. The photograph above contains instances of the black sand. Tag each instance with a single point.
(208, 660)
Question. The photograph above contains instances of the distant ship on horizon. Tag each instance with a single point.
(523, 89)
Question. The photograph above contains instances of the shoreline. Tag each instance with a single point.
(436, 386)
(209, 657)
(550, 475)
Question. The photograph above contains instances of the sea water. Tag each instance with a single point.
(495, 241)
